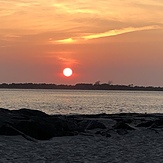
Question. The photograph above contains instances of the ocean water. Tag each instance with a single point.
(82, 101)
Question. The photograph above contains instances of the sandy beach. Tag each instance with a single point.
(33, 136)
(134, 147)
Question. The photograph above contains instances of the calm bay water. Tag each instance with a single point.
(82, 102)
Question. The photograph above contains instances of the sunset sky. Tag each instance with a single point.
(118, 41)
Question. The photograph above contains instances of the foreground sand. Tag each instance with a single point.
(135, 147)
(35, 137)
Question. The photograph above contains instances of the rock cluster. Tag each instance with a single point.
(37, 125)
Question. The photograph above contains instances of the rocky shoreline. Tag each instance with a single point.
(35, 125)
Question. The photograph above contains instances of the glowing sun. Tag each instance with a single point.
(67, 72)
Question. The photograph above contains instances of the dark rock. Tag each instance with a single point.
(29, 112)
(123, 125)
(35, 124)
(145, 124)
(122, 131)
(125, 120)
(159, 123)
(153, 124)
(37, 130)
(7, 130)
(83, 125)
(95, 124)
(103, 133)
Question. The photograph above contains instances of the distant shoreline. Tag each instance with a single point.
(79, 86)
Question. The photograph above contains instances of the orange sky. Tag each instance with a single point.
(121, 41)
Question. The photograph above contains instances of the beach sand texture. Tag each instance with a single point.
(117, 138)
(134, 147)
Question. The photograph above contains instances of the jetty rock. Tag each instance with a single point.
(36, 125)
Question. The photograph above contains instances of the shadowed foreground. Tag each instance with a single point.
(99, 138)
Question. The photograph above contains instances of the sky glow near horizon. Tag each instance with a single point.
(105, 40)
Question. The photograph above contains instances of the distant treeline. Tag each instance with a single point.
(80, 86)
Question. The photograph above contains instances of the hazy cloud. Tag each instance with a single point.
(66, 41)
(119, 31)
(105, 34)
(39, 16)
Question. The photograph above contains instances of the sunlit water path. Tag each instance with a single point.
(82, 102)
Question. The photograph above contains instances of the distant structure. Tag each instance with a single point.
(110, 82)
(97, 83)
